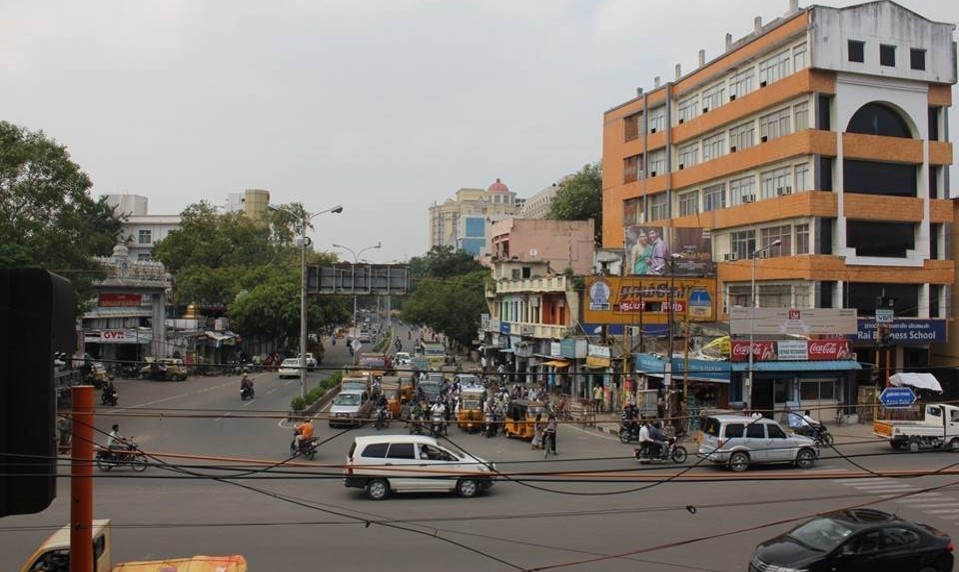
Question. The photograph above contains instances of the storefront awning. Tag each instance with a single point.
(556, 363)
(799, 366)
(917, 380)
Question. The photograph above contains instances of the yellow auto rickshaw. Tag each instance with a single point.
(521, 418)
(469, 411)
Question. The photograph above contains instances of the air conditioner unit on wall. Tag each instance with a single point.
(749, 198)
(732, 149)
(731, 257)
(705, 110)
(732, 97)
(784, 191)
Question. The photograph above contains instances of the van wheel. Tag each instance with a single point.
(895, 444)
(914, 445)
(467, 488)
(377, 489)
(805, 459)
(739, 461)
(954, 445)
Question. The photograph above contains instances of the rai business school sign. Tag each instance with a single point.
(905, 331)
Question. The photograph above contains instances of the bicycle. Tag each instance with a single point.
(549, 443)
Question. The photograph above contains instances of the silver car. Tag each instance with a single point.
(350, 408)
(739, 441)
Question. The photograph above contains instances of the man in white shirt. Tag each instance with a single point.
(645, 442)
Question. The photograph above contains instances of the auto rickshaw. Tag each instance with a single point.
(521, 418)
(469, 413)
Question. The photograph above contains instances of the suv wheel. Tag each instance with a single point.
(467, 488)
(739, 461)
(377, 489)
(805, 459)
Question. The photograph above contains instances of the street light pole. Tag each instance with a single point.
(754, 303)
(305, 219)
(356, 259)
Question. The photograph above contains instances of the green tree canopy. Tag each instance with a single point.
(47, 217)
(580, 197)
(443, 261)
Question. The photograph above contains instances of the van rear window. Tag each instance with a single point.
(376, 450)
(711, 426)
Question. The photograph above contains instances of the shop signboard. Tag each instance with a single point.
(554, 349)
(650, 250)
(762, 351)
(645, 300)
(828, 350)
(115, 300)
(793, 350)
(905, 331)
(504, 328)
(597, 356)
(745, 321)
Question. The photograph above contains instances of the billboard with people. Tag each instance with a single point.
(648, 251)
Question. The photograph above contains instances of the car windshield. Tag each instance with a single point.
(347, 399)
(823, 534)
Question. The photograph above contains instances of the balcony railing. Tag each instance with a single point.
(544, 284)
(540, 331)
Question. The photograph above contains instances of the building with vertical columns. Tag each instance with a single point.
(463, 222)
(820, 137)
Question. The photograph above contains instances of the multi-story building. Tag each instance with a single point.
(818, 142)
(463, 222)
(561, 244)
(538, 205)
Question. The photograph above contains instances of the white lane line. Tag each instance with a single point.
(181, 395)
(942, 511)
(887, 488)
(249, 402)
(224, 416)
(922, 505)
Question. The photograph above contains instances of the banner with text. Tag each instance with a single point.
(800, 321)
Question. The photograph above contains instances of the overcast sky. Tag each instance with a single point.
(384, 106)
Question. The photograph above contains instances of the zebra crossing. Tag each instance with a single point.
(934, 503)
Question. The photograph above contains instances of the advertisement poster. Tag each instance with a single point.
(646, 251)
(650, 250)
(695, 247)
(645, 300)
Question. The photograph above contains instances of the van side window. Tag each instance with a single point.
(755, 431)
(99, 543)
(775, 432)
(401, 451)
(376, 450)
(734, 430)
(933, 411)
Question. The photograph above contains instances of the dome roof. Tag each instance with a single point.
(498, 187)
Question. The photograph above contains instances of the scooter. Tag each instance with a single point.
(247, 393)
(108, 397)
(307, 448)
(628, 433)
(671, 450)
(491, 428)
(382, 418)
(438, 425)
(132, 456)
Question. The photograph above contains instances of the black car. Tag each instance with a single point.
(853, 540)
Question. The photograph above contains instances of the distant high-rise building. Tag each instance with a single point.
(463, 222)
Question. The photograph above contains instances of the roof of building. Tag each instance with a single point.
(498, 187)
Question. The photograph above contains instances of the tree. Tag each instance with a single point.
(47, 217)
(443, 261)
(451, 305)
(580, 197)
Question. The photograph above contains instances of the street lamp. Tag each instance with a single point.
(304, 242)
(356, 259)
(748, 390)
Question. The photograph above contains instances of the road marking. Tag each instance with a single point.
(920, 505)
(181, 395)
(943, 510)
(224, 416)
(249, 402)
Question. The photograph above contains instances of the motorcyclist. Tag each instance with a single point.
(438, 410)
(246, 384)
(645, 441)
(110, 392)
(417, 413)
(304, 432)
(805, 424)
(657, 439)
(629, 418)
(115, 442)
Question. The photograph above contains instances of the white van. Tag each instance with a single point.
(381, 464)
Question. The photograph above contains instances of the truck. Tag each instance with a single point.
(54, 555)
(938, 429)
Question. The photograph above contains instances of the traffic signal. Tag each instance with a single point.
(37, 311)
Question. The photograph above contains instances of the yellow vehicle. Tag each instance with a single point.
(163, 369)
(435, 354)
(54, 553)
(521, 418)
(234, 563)
(469, 411)
(373, 363)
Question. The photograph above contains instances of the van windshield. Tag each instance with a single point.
(347, 399)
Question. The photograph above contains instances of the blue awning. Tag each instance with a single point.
(799, 366)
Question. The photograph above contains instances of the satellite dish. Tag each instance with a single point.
(533, 252)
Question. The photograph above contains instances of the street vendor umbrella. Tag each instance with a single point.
(917, 380)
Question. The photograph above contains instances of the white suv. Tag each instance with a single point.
(381, 464)
(739, 441)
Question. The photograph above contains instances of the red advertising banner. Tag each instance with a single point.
(815, 350)
(762, 351)
(116, 300)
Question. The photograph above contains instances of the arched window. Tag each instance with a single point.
(879, 119)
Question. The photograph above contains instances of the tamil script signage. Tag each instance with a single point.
(905, 331)
(792, 350)
(645, 300)
(108, 300)
(745, 321)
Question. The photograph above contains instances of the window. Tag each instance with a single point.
(689, 203)
(401, 451)
(689, 155)
(740, 296)
(631, 210)
(801, 116)
(688, 109)
(935, 291)
(881, 239)
(742, 136)
(658, 207)
(802, 296)
(774, 296)
(816, 390)
(887, 55)
(799, 57)
(897, 538)
(876, 178)
(776, 183)
(376, 450)
(803, 181)
(802, 239)
(714, 96)
(714, 147)
(144, 256)
(742, 190)
(631, 126)
(743, 243)
(657, 119)
(823, 115)
(657, 163)
(770, 235)
(934, 123)
(878, 119)
(917, 59)
(714, 197)
(775, 431)
(632, 168)
(774, 125)
(734, 430)
(146, 237)
(775, 68)
(755, 431)
(857, 51)
(741, 83)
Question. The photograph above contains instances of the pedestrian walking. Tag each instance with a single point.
(598, 398)
(549, 438)
(539, 428)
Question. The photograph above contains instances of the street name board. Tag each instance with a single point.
(897, 397)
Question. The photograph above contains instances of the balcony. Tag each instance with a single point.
(543, 284)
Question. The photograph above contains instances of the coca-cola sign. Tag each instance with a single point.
(762, 351)
(829, 349)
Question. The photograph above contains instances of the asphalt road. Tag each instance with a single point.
(220, 486)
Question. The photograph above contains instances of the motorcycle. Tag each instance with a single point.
(818, 433)
(307, 448)
(247, 393)
(108, 397)
(671, 450)
(417, 424)
(628, 433)
(132, 456)
(491, 428)
(438, 424)
(382, 418)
